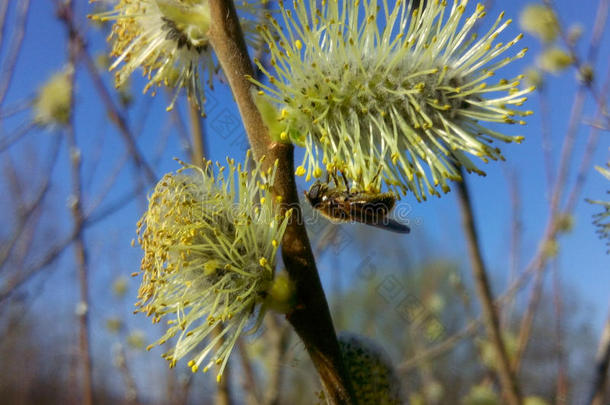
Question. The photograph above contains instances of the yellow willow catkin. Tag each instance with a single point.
(168, 40)
(388, 93)
(210, 238)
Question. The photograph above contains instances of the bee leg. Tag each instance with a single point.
(345, 181)
(374, 180)
(334, 174)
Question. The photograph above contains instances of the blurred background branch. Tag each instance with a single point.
(544, 296)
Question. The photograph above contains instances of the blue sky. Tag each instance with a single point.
(583, 263)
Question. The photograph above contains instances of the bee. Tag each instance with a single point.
(344, 205)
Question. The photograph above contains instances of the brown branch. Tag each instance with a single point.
(3, 11)
(602, 366)
(535, 264)
(26, 274)
(516, 236)
(7, 141)
(223, 390)
(311, 318)
(8, 67)
(230, 47)
(525, 327)
(562, 364)
(223, 393)
(599, 26)
(280, 337)
(17, 107)
(198, 151)
(117, 117)
(79, 244)
(178, 122)
(547, 142)
(588, 154)
(111, 178)
(114, 113)
(26, 210)
(56, 250)
(82, 268)
(601, 19)
(76, 206)
(439, 349)
(131, 388)
(567, 152)
(249, 384)
(540, 257)
(508, 380)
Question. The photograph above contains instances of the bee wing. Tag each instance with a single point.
(376, 214)
(391, 225)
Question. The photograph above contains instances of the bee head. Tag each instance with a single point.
(315, 193)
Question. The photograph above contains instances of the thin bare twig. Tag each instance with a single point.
(9, 140)
(540, 257)
(178, 122)
(97, 152)
(131, 387)
(516, 231)
(76, 206)
(8, 67)
(249, 384)
(547, 142)
(602, 366)
(17, 107)
(567, 152)
(82, 266)
(3, 11)
(280, 338)
(579, 64)
(117, 117)
(508, 380)
(112, 110)
(223, 389)
(562, 365)
(590, 148)
(197, 134)
(25, 211)
(58, 248)
(527, 321)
